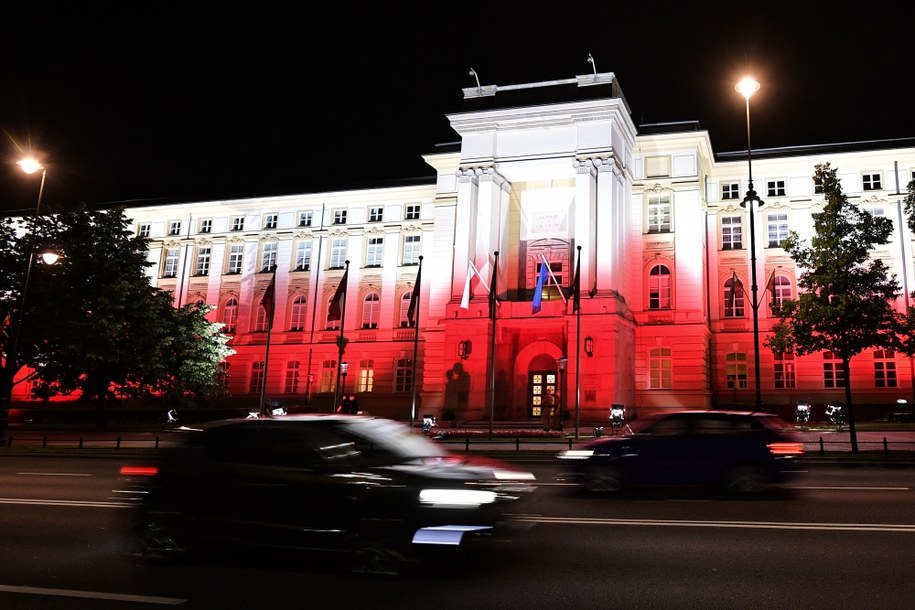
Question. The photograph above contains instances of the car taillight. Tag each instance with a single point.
(786, 448)
(139, 471)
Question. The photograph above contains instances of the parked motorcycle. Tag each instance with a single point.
(803, 413)
(836, 414)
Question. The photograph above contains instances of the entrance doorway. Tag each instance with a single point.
(540, 384)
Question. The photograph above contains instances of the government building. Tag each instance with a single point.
(645, 220)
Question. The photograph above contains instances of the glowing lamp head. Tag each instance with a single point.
(30, 165)
(747, 87)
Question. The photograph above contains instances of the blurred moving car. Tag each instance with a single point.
(742, 452)
(369, 487)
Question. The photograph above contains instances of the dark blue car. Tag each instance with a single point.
(740, 451)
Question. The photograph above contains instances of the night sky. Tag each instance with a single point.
(163, 103)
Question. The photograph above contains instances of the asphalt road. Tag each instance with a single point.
(838, 537)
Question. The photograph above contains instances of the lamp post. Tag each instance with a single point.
(344, 367)
(29, 166)
(747, 87)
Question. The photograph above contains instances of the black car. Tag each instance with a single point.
(740, 451)
(370, 487)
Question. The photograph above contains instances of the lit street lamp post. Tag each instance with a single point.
(29, 166)
(563, 361)
(747, 87)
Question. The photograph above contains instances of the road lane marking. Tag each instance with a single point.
(853, 527)
(120, 597)
(82, 503)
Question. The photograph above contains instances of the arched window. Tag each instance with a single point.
(230, 315)
(659, 287)
(405, 308)
(332, 324)
(734, 296)
(297, 321)
(260, 325)
(781, 290)
(370, 310)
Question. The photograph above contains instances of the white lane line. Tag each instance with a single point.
(120, 597)
(54, 474)
(857, 527)
(42, 502)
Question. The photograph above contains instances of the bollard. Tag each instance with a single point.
(44, 442)
(118, 444)
(517, 443)
(157, 442)
(80, 442)
(821, 444)
(885, 447)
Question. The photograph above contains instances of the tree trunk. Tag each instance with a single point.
(852, 432)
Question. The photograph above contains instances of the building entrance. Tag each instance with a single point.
(541, 384)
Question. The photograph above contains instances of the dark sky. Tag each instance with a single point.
(184, 101)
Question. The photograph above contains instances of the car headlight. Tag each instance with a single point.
(456, 498)
(576, 454)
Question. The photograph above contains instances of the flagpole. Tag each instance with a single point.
(492, 344)
(576, 298)
(314, 308)
(341, 340)
(415, 307)
(269, 312)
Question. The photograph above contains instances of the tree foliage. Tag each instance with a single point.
(846, 298)
(94, 324)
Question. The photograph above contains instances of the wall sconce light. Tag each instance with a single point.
(589, 346)
(464, 349)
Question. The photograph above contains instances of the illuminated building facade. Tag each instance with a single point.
(553, 173)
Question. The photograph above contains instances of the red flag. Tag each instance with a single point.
(336, 304)
(736, 289)
(269, 299)
(770, 285)
(414, 297)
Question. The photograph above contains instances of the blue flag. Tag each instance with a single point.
(538, 291)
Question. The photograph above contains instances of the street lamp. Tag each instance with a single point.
(29, 166)
(344, 366)
(747, 87)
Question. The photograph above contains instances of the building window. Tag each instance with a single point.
(206, 225)
(339, 217)
(884, 369)
(270, 221)
(257, 377)
(778, 229)
(236, 255)
(871, 182)
(303, 255)
(305, 218)
(366, 381)
(170, 267)
(875, 211)
(403, 375)
(412, 211)
(268, 259)
(328, 376)
(659, 214)
(659, 287)
(734, 296)
(411, 249)
(338, 253)
(374, 251)
(297, 322)
(376, 214)
(260, 324)
(174, 227)
(780, 289)
(203, 261)
(775, 188)
(730, 190)
(230, 315)
(292, 377)
(660, 365)
(731, 233)
(370, 310)
(143, 231)
(784, 371)
(238, 223)
(736, 371)
(833, 375)
(405, 308)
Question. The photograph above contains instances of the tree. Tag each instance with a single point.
(94, 324)
(846, 299)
